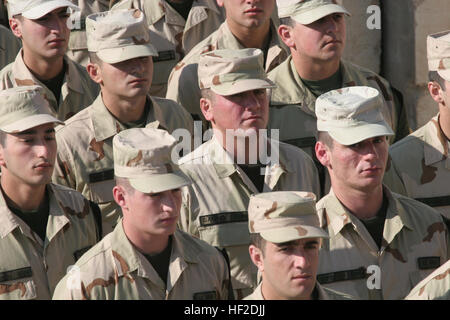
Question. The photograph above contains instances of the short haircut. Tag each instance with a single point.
(124, 183)
(258, 241)
(3, 138)
(326, 139)
(207, 94)
(433, 76)
(288, 21)
(93, 57)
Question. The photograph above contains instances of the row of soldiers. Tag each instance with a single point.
(115, 149)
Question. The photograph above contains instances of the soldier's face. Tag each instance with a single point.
(28, 157)
(248, 111)
(322, 40)
(359, 166)
(289, 269)
(152, 213)
(127, 79)
(248, 13)
(46, 37)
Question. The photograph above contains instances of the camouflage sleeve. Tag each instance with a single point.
(69, 288)
(392, 178)
(403, 128)
(63, 173)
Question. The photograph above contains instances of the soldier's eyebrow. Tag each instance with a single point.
(26, 132)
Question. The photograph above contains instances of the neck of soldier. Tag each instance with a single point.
(144, 242)
(125, 110)
(255, 37)
(363, 204)
(23, 196)
(44, 69)
(444, 120)
(314, 69)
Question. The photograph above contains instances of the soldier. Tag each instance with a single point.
(146, 256)
(381, 244)
(420, 166)
(176, 26)
(434, 287)
(286, 237)
(315, 32)
(44, 227)
(42, 28)
(120, 54)
(234, 164)
(248, 25)
(9, 47)
(77, 50)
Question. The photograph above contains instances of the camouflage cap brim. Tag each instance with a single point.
(119, 54)
(445, 74)
(45, 7)
(360, 132)
(238, 86)
(292, 233)
(309, 16)
(30, 122)
(160, 182)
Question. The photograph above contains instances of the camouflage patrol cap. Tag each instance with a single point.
(23, 108)
(35, 9)
(228, 72)
(438, 51)
(308, 11)
(119, 35)
(351, 115)
(284, 216)
(143, 155)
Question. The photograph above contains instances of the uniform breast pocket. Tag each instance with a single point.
(101, 185)
(17, 284)
(225, 229)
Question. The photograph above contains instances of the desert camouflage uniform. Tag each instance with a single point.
(171, 35)
(115, 270)
(77, 92)
(85, 158)
(415, 242)
(435, 286)
(183, 81)
(9, 47)
(324, 294)
(420, 167)
(31, 268)
(215, 206)
(77, 50)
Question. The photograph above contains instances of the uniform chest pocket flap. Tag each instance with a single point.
(101, 185)
(17, 284)
(225, 229)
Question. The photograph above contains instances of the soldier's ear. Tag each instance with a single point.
(16, 27)
(257, 257)
(220, 3)
(286, 35)
(435, 91)
(322, 153)
(94, 72)
(206, 107)
(119, 196)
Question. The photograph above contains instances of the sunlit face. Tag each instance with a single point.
(152, 213)
(247, 13)
(322, 40)
(289, 269)
(126, 79)
(46, 37)
(360, 166)
(28, 157)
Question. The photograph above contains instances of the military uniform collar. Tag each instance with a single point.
(105, 125)
(23, 76)
(436, 146)
(225, 166)
(339, 216)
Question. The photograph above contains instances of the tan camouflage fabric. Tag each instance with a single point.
(36, 9)
(183, 82)
(415, 243)
(30, 268)
(85, 153)
(324, 294)
(308, 11)
(434, 287)
(9, 47)
(115, 270)
(172, 35)
(77, 92)
(420, 167)
(221, 192)
(438, 53)
(293, 105)
(77, 50)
